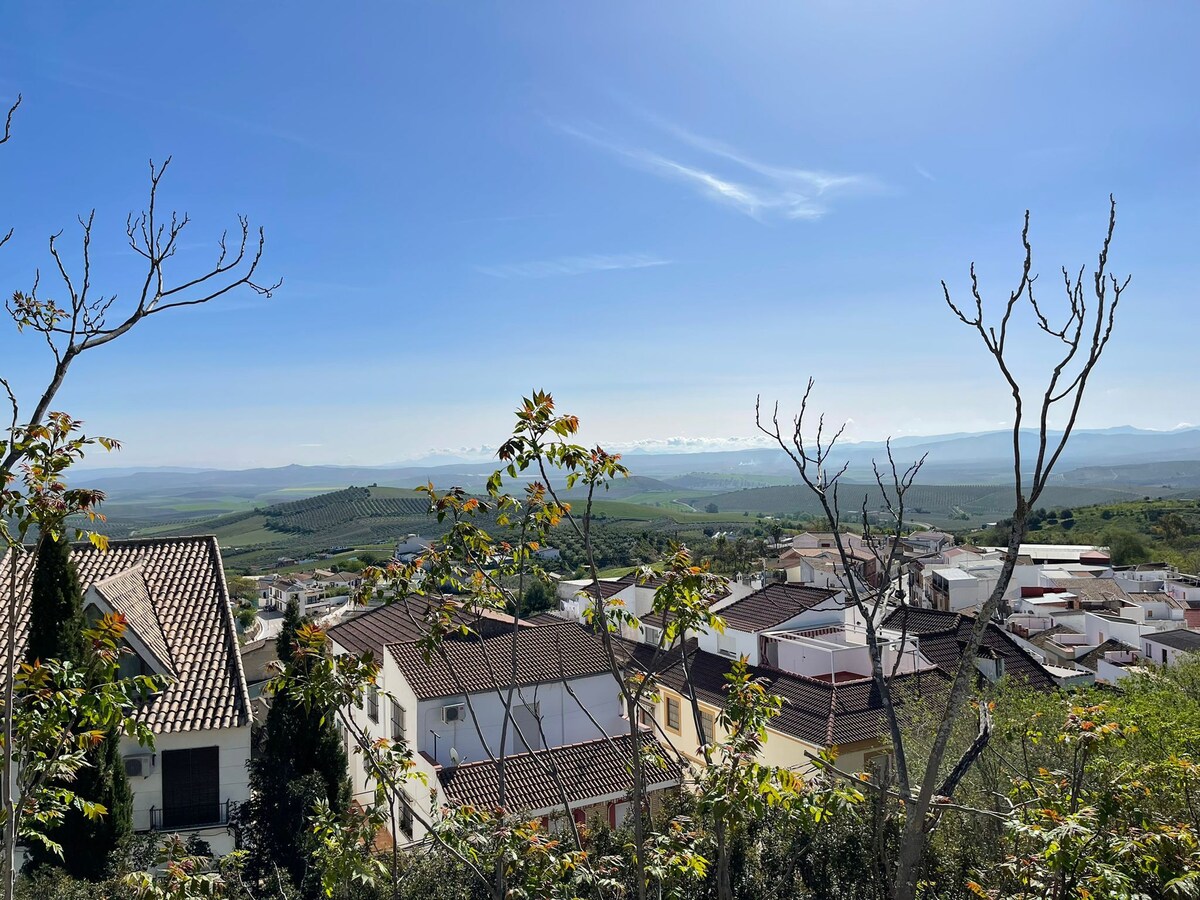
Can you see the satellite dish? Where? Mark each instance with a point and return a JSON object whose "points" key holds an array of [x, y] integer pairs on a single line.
{"points": [[454, 760]]}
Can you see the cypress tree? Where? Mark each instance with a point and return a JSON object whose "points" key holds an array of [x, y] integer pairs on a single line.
{"points": [[56, 620], [299, 758], [56, 626]]}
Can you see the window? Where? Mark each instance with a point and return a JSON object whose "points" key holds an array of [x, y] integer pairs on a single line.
{"points": [[651, 634], [727, 645], [706, 726], [131, 665], [191, 787], [673, 714], [373, 702], [406, 813], [1164, 654], [398, 729]]}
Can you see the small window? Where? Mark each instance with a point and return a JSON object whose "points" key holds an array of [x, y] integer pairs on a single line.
{"points": [[673, 714], [398, 724], [706, 726], [652, 635], [1164, 654], [727, 645], [373, 702], [406, 813]]}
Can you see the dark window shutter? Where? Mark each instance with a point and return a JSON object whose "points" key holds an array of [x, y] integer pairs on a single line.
{"points": [[191, 787]]}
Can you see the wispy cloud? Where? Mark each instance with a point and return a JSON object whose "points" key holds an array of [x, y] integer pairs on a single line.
{"points": [[760, 190], [924, 172], [573, 265]]}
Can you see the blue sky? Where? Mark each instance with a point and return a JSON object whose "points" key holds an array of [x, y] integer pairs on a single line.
{"points": [[656, 211]]}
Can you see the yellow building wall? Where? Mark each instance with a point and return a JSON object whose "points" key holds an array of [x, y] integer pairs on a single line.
{"points": [[780, 750]]}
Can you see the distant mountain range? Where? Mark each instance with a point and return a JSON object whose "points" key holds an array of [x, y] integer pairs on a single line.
{"points": [[1114, 457]]}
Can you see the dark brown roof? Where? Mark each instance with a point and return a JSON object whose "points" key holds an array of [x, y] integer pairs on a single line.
{"points": [[185, 582], [1178, 639], [1091, 659], [399, 622], [606, 589], [1042, 638], [478, 663], [589, 772], [941, 637], [815, 711], [772, 605]]}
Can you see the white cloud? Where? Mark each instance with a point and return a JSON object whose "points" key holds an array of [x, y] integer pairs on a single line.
{"points": [[690, 444], [573, 265], [923, 172], [760, 190]]}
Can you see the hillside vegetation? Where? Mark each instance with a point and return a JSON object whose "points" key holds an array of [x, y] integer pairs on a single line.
{"points": [[1166, 530], [946, 506]]}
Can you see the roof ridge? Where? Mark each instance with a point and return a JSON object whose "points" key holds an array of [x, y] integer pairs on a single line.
{"points": [[230, 628], [136, 567]]}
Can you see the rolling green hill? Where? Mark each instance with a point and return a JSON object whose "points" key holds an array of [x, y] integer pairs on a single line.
{"points": [[367, 517]]}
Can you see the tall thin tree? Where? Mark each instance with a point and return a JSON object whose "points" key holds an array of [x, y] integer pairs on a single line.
{"points": [[300, 760], [56, 626]]}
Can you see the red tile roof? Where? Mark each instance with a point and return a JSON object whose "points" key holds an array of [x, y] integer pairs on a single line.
{"points": [[185, 585], [482, 662], [589, 772]]}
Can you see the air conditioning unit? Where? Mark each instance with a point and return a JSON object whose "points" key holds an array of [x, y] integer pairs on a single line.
{"points": [[455, 712], [140, 766]]}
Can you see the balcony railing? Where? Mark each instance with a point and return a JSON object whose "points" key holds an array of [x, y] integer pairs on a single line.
{"points": [[199, 815]]}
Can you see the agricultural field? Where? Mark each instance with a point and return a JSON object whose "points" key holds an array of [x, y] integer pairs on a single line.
{"points": [[368, 518], [955, 507]]}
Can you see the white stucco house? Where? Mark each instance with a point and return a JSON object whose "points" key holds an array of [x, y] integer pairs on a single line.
{"points": [[1168, 647], [173, 596], [449, 706]]}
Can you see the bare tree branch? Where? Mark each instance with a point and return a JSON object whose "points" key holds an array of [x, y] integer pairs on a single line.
{"points": [[79, 324], [1084, 339], [8, 120]]}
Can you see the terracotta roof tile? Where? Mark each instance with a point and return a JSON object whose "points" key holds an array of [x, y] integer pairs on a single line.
{"points": [[185, 581], [772, 605], [480, 662], [589, 772], [127, 593], [941, 637]]}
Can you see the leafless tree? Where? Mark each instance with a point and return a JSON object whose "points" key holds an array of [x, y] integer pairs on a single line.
{"points": [[81, 321], [1088, 314]]}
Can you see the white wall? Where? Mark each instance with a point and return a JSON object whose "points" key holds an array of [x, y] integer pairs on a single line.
{"points": [[234, 752], [1099, 629], [1154, 652], [563, 721]]}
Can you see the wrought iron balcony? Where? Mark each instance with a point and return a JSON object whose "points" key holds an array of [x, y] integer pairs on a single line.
{"points": [[197, 815]]}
